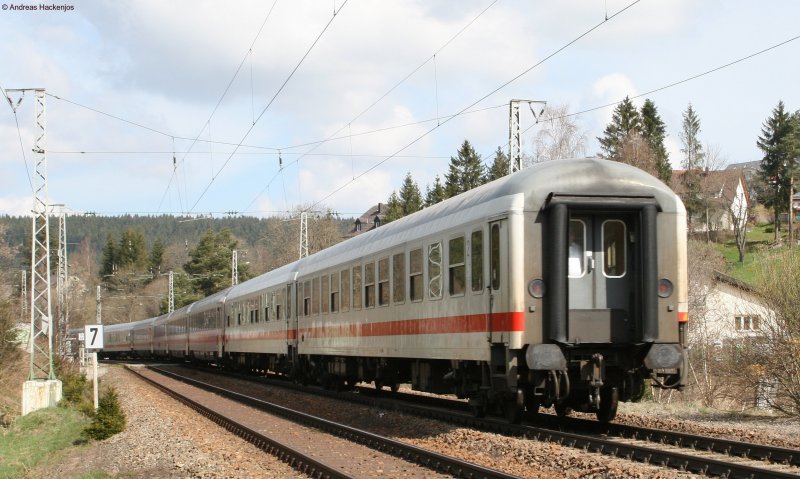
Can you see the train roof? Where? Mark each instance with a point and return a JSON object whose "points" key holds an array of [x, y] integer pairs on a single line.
{"points": [[525, 190]]}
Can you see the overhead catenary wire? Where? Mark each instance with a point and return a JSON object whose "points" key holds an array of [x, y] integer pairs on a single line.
{"points": [[224, 93], [515, 78], [348, 125], [277, 93], [675, 83]]}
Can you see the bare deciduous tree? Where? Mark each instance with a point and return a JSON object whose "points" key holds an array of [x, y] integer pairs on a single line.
{"points": [[559, 136]]}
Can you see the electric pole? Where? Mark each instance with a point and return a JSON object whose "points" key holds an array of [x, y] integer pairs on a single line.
{"points": [[303, 234], [171, 297], [514, 139], [234, 268], [62, 283], [99, 315], [42, 389]]}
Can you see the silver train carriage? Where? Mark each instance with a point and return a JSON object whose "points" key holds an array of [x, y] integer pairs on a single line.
{"points": [[561, 285]]}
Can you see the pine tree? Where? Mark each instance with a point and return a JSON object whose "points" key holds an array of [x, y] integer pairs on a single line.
{"points": [[692, 147], [624, 121], [654, 131], [156, 257], [394, 210], [211, 262], [410, 196], [131, 251], [692, 162], [779, 142], [436, 193], [465, 171], [109, 257], [499, 166]]}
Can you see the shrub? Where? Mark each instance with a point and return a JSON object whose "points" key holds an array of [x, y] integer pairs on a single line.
{"points": [[109, 419]]}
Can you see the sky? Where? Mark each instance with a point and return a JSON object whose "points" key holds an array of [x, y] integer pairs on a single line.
{"points": [[198, 107]]}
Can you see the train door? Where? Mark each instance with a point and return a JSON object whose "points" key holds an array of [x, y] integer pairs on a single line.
{"points": [[292, 311], [498, 277], [600, 272]]}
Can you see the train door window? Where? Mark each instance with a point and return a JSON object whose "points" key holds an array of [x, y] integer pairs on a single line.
{"points": [[307, 298], [326, 294], [399, 278], [495, 256], [383, 281], [435, 270], [239, 318], [415, 274], [476, 260], [229, 321], [335, 292], [614, 248], [577, 249], [345, 306], [369, 285], [315, 296], [357, 287], [457, 269]]}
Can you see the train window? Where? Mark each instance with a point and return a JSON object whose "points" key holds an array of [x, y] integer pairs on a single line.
{"points": [[229, 320], [239, 318], [577, 249], [614, 248], [307, 298], [495, 257], [476, 257], [334, 292], [399, 278], [256, 314], [383, 281], [415, 274], [266, 315], [357, 287], [369, 285], [326, 294], [457, 269], [435, 270], [345, 300], [315, 296]]}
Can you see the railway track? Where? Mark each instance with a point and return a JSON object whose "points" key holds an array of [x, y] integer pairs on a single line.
{"points": [[686, 452], [310, 463]]}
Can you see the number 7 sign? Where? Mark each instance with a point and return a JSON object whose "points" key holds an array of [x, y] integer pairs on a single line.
{"points": [[93, 336]]}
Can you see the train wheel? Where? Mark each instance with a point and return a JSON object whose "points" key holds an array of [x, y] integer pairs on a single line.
{"points": [[513, 411], [531, 406], [609, 399], [562, 410], [478, 410]]}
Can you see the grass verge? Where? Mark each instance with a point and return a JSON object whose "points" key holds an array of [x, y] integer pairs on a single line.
{"points": [[36, 437]]}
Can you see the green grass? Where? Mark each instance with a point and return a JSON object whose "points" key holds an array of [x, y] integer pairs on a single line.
{"points": [[35, 437], [758, 250]]}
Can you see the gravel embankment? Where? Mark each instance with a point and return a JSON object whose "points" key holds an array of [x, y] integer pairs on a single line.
{"points": [[166, 439]]}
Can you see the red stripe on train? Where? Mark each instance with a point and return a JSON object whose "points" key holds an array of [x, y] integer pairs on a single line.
{"points": [[478, 323]]}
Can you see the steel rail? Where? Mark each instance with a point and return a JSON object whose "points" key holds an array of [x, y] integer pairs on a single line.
{"points": [[291, 456], [423, 457]]}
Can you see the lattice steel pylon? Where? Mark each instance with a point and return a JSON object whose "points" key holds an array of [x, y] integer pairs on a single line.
{"points": [[514, 139], [41, 360], [171, 294], [62, 284], [303, 234]]}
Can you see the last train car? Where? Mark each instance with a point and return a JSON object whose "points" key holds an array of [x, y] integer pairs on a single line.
{"points": [[561, 285]]}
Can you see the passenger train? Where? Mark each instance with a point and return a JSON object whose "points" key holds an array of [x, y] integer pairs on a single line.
{"points": [[562, 285]]}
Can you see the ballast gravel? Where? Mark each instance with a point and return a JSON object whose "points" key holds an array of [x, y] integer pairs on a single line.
{"points": [[166, 439]]}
